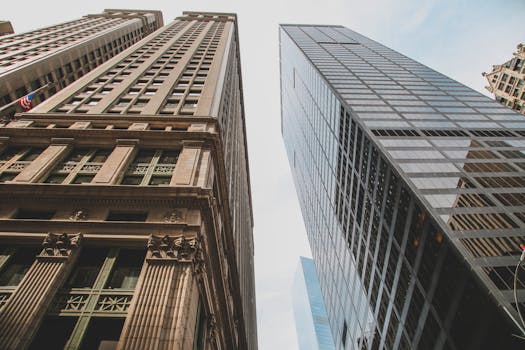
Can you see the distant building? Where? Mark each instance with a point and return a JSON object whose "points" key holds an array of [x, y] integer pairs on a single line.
{"points": [[311, 321], [6, 28], [64, 52], [507, 81]]}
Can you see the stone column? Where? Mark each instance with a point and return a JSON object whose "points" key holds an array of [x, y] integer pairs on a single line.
{"points": [[163, 312], [116, 163], [25, 309], [45, 161], [193, 166]]}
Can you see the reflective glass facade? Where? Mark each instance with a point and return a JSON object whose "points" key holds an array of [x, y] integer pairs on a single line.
{"points": [[412, 188], [311, 321]]}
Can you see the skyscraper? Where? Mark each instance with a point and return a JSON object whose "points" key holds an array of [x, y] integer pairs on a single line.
{"points": [[125, 217], [412, 189], [507, 81], [62, 53], [311, 321]]}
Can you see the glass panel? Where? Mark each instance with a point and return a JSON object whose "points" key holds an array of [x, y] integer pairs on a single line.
{"points": [[87, 268], [17, 266], [83, 179], [160, 180], [169, 157], [127, 269], [55, 179]]}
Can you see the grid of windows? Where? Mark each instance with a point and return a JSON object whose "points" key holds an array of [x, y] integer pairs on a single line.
{"points": [[50, 42], [366, 129], [167, 65]]}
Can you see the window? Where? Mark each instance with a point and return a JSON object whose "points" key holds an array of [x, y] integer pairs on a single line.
{"points": [[87, 268], [16, 267], [34, 214], [127, 216], [151, 167], [79, 167], [126, 271]]}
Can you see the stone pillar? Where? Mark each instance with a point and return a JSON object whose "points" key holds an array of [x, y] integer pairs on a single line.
{"points": [[25, 309], [163, 312], [193, 166], [45, 161], [116, 163], [3, 143]]}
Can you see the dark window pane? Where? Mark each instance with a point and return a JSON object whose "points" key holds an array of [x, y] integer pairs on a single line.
{"points": [[126, 216], [83, 179], [87, 268], [127, 269], [17, 266], [160, 180], [53, 333], [34, 214], [102, 333], [55, 179], [131, 180], [169, 157]]}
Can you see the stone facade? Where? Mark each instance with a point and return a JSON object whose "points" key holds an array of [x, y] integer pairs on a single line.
{"points": [[135, 181]]}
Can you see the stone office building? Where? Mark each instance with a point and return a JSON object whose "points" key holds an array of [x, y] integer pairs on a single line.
{"points": [[412, 187], [62, 53], [507, 81], [125, 205]]}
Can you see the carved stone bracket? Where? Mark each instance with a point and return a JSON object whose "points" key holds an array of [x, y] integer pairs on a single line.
{"points": [[60, 245], [174, 216], [172, 248], [78, 215]]}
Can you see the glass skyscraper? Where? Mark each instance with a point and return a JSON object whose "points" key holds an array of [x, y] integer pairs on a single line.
{"points": [[311, 321], [412, 188]]}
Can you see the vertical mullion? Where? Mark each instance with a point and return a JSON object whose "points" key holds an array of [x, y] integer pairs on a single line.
{"points": [[151, 168], [75, 340], [71, 176]]}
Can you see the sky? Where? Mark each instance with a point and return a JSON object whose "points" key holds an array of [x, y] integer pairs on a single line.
{"points": [[456, 37]]}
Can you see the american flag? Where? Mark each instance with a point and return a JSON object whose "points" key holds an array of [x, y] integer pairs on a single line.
{"points": [[25, 102]]}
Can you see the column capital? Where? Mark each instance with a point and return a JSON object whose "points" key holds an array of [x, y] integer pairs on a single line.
{"points": [[59, 245], [167, 247]]}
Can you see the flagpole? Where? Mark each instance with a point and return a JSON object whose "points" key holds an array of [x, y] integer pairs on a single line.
{"points": [[15, 102]]}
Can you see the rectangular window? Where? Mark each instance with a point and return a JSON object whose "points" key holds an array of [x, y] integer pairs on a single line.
{"points": [[127, 216], [34, 214]]}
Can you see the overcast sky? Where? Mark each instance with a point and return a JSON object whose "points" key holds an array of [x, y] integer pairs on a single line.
{"points": [[458, 38]]}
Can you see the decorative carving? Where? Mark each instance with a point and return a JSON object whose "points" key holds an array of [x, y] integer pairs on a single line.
{"points": [[175, 215], [117, 303], [19, 165], [212, 328], [60, 245], [91, 167], [69, 302], [169, 247], [3, 298], [78, 215], [164, 169]]}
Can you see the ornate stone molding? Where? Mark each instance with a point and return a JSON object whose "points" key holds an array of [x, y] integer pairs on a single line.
{"points": [[212, 328], [59, 245], [172, 248]]}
